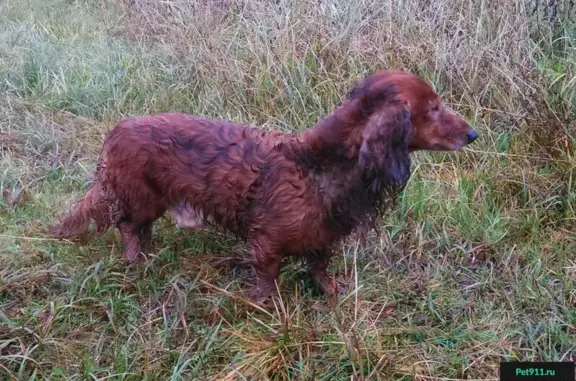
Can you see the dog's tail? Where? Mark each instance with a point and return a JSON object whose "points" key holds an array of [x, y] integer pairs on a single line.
{"points": [[91, 207]]}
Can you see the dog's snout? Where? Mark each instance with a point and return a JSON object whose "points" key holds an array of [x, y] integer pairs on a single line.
{"points": [[472, 135]]}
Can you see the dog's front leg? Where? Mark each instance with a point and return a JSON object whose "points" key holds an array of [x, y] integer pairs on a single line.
{"points": [[267, 266], [318, 270]]}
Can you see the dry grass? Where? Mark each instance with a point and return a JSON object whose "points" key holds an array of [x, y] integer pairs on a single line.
{"points": [[476, 266]]}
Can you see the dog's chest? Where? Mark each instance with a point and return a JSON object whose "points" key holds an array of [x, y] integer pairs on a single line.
{"points": [[331, 186], [307, 221]]}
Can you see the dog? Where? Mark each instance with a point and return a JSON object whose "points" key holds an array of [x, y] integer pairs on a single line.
{"points": [[285, 194]]}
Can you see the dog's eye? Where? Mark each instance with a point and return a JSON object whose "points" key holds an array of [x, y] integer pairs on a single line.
{"points": [[435, 108]]}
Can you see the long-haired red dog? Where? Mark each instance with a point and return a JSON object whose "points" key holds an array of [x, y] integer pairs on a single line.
{"points": [[285, 194]]}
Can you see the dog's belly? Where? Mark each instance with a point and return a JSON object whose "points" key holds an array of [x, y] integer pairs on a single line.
{"points": [[185, 217]]}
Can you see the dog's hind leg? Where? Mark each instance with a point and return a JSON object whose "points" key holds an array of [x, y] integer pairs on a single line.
{"points": [[133, 237]]}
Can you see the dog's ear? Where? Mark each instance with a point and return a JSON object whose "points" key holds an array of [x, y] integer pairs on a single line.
{"points": [[384, 148]]}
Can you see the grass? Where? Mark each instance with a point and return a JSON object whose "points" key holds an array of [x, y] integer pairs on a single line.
{"points": [[475, 266]]}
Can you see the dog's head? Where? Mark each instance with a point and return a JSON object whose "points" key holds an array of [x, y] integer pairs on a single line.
{"points": [[403, 114]]}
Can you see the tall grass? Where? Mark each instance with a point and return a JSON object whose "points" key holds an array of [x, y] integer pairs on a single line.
{"points": [[476, 265]]}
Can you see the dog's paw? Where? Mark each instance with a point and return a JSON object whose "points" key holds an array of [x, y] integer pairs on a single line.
{"points": [[332, 286], [265, 298], [134, 259]]}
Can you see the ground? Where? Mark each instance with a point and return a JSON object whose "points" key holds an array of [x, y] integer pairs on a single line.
{"points": [[476, 265]]}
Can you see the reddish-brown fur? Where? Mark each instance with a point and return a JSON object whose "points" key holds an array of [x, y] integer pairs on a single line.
{"points": [[285, 194]]}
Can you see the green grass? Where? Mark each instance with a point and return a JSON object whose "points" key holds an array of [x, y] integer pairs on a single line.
{"points": [[476, 265]]}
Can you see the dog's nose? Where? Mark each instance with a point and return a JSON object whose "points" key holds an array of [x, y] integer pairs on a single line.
{"points": [[472, 135]]}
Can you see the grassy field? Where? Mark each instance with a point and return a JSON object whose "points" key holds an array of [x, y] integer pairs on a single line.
{"points": [[476, 265]]}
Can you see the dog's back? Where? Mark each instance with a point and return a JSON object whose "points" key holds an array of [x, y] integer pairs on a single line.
{"points": [[157, 162], [174, 161]]}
